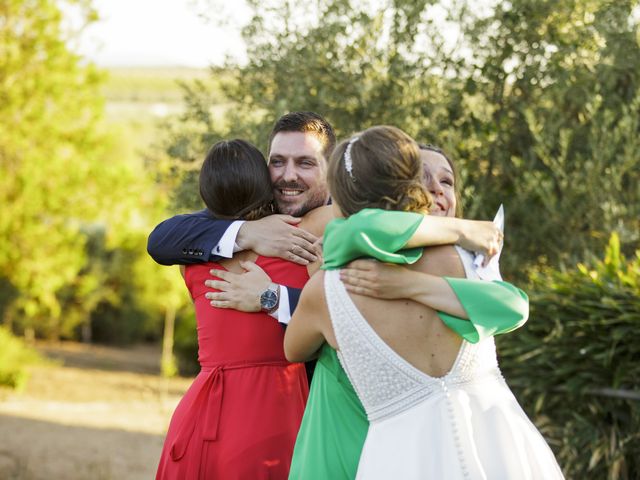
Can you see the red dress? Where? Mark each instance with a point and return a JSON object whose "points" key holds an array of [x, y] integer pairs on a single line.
{"points": [[240, 417]]}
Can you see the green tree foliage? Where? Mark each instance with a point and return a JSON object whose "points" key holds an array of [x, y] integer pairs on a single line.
{"points": [[548, 115], [186, 342], [77, 207], [15, 357], [47, 115], [537, 101], [574, 365]]}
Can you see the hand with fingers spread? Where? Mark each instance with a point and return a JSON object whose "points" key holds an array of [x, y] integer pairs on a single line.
{"points": [[239, 291], [277, 236], [482, 237]]}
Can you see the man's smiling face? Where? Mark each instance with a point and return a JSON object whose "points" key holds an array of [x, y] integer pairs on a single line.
{"points": [[298, 172]]}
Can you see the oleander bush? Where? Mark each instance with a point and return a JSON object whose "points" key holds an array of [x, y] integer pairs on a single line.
{"points": [[15, 356], [574, 366]]}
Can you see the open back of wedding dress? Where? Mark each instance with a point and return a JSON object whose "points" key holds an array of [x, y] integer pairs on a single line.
{"points": [[464, 425]]}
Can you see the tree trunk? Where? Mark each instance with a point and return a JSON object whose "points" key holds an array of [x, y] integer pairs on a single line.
{"points": [[86, 331], [167, 363]]}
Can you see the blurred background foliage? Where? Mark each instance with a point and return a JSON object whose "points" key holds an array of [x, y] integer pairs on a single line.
{"points": [[78, 199], [537, 102], [574, 366]]}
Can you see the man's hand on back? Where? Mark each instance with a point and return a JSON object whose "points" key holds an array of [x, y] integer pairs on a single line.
{"points": [[277, 236], [239, 291]]}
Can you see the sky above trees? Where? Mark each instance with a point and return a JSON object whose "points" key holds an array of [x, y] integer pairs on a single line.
{"points": [[159, 33]]}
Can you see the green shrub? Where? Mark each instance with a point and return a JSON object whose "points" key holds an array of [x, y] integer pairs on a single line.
{"points": [[14, 358], [574, 367], [186, 342]]}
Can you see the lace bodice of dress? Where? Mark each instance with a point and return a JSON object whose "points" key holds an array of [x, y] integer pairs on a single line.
{"points": [[385, 382]]}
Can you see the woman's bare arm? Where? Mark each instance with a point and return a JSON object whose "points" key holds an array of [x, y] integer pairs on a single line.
{"points": [[473, 235], [389, 282], [306, 331], [315, 222]]}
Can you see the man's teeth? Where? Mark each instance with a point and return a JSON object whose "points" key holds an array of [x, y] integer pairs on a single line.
{"points": [[290, 193]]}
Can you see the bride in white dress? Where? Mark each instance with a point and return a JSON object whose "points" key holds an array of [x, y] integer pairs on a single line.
{"points": [[438, 406]]}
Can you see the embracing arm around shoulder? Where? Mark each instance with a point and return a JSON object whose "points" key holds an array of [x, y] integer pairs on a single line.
{"points": [[313, 222], [477, 308], [382, 234], [389, 282], [186, 239], [197, 238], [308, 327], [474, 235], [241, 291], [278, 236]]}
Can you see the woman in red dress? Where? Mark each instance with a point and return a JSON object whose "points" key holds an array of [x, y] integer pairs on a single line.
{"points": [[240, 417]]}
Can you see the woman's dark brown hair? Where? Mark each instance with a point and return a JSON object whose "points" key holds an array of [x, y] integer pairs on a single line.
{"points": [[378, 168], [235, 181]]}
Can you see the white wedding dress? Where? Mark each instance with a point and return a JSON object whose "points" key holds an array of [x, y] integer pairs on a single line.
{"points": [[465, 425]]}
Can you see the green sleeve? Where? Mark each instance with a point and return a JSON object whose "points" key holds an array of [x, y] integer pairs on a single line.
{"points": [[493, 308], [375, 233]]}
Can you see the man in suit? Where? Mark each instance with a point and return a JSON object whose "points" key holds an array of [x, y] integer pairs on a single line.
{"points": [[299, 147]]}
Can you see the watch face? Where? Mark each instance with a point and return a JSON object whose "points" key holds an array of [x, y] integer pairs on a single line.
{"points": [[268, 300]]}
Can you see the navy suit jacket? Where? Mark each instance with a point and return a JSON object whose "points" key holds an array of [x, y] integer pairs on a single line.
{"points": [[190, 238]]}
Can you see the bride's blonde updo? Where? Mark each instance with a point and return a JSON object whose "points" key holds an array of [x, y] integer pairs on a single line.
{"points": [[378, 168]]}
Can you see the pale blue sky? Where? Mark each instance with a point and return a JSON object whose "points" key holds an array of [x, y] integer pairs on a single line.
{"points": [[157, 33]]}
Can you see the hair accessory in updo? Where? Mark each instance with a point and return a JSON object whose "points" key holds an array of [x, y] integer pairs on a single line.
{"points": [[348, 161]]}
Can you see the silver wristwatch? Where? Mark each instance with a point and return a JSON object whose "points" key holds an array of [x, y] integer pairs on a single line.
{"points": [[269, 298]]}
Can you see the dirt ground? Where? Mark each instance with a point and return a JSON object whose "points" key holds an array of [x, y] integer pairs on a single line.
{"points": [[97, 413]]}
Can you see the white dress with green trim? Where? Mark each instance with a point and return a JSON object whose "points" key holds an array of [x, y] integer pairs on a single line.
{"points": [[464, 425]]}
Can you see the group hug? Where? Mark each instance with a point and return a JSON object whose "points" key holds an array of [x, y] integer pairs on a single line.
{"points": [[345, 317]]}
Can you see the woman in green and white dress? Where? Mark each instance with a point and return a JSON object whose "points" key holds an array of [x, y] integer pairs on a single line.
{"points": [[400, 355]]}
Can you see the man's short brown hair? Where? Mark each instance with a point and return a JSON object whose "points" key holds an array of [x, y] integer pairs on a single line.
{"points": [[307, 122]]}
